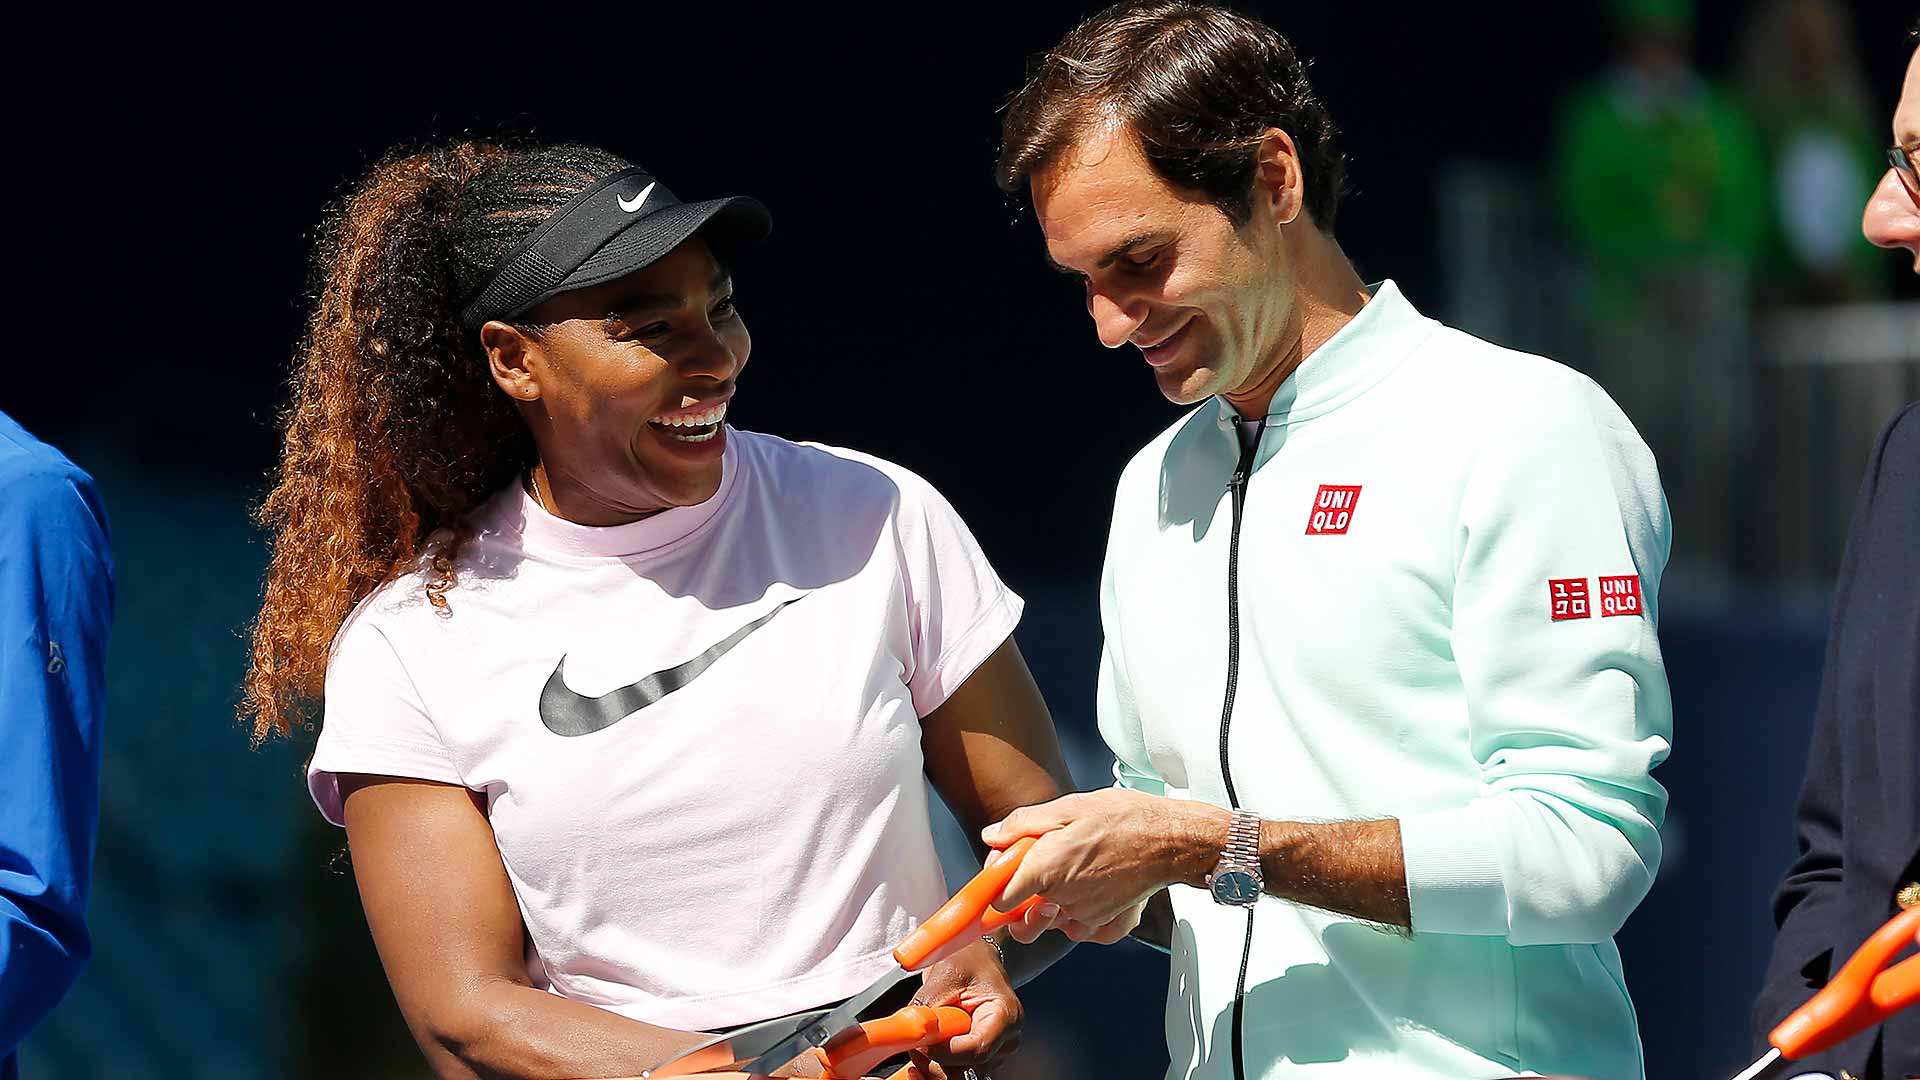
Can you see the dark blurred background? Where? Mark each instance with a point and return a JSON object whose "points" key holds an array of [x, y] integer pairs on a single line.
{"points": [[1664, 194]]}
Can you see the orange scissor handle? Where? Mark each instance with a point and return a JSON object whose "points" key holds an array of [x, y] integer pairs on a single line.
{"points": [[859, 1048], [1864, 992], [1897, 987], [968, 915]]}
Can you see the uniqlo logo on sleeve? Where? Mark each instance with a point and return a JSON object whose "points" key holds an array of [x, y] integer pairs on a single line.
{"points": [[1620, 595], [1569, 599], [1332, 509]]}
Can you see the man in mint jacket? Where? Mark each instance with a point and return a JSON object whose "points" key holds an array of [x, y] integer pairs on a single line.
{"points": [[1381, 672]]}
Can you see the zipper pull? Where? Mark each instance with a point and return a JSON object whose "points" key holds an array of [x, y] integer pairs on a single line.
{"points": [[1248, 451]]}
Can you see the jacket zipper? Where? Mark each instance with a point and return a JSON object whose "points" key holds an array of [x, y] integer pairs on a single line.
{"points": [[1237, 487]]}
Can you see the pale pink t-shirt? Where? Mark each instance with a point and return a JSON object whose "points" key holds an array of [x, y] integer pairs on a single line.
{"points": [[754, 841]]}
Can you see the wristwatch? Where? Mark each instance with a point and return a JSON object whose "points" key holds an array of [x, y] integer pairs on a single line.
{"points": [[1236, 880]]}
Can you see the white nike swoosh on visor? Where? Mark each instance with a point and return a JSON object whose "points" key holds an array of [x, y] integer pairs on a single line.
{"points": [[638, 200]]}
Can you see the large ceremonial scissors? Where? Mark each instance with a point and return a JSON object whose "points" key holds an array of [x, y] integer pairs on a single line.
{"points": [[1869, 988], [766, 1046]]}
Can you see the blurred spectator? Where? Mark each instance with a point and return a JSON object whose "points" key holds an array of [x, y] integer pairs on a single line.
{"points": [[1657, 167], [1802, 83], [56, 602], [1661, 183]]}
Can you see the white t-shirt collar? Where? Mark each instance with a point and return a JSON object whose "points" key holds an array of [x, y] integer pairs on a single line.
{"points": [[544, 533]]}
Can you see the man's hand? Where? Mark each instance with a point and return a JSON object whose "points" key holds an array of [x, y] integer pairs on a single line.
{"points": [[1047, 917], [972, 980], [1100, 855]]}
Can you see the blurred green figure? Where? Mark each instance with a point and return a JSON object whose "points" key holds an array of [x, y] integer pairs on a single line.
{"points": [[1661, 183], [1801, 80], [1657, 168]]}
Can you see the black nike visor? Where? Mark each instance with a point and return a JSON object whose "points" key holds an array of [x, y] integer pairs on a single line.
{"points": [[621, 224]]}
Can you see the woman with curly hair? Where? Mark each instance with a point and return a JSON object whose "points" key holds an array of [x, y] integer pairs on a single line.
{"points": [[626, 712]]}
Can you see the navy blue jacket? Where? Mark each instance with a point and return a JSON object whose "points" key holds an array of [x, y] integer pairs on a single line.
{"points": [[56, 603], [1859, 814]]}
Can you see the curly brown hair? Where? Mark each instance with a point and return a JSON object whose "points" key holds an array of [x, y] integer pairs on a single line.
{"points": [[395, 429]]}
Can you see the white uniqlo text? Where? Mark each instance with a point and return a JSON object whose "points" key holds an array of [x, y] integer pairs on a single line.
{"points": [[1620, 595], [1332, 509]]}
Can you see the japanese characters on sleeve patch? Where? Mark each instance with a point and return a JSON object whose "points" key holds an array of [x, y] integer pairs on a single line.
{"points": [[1568, 599], [1332, 509], [1621, 595]]}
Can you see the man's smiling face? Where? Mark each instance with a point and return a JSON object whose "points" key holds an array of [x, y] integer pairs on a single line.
{"points": [[1207, 303]]}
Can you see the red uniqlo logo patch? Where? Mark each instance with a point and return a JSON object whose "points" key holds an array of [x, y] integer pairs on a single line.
{"points": [[1332, 509], [1620, 595], [1569, 598]]}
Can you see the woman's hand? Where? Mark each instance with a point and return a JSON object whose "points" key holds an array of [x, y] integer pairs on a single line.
{"points": [[972, 979]]}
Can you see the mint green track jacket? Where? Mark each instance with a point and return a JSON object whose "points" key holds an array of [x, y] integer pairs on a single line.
{"points": [[1447, 574]]}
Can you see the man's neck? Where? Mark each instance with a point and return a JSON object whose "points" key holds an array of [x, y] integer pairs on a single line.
{"points": [[1327, 294]]}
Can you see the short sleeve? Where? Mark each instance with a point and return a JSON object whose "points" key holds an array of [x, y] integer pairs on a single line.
{"points": [[958, 610], [374, 722]]}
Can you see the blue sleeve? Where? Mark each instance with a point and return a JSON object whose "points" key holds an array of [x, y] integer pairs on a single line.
{"points": [[56, 604]]}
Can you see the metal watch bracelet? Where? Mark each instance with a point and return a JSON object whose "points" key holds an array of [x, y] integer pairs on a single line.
{"points": [[1243, 838]]}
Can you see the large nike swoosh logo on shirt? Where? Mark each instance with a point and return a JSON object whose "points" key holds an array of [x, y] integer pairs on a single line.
{"points": [[567, 713]]}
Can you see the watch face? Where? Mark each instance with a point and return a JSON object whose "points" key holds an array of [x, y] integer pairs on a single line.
{"points": [[1235, 887]]}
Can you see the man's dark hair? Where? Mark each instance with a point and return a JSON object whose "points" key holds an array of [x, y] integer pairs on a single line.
{"points": [[1197, 85]]}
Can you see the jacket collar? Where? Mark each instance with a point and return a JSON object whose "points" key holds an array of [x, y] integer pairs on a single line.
{"points": [[1348, 364]]}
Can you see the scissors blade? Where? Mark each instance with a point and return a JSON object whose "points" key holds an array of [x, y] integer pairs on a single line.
{"points": [[817, 1032], [766, 1046], [728, 1050], [1760, 1066]]}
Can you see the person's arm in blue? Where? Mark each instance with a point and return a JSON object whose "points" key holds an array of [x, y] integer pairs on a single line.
{"points": [[56, 604]]}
